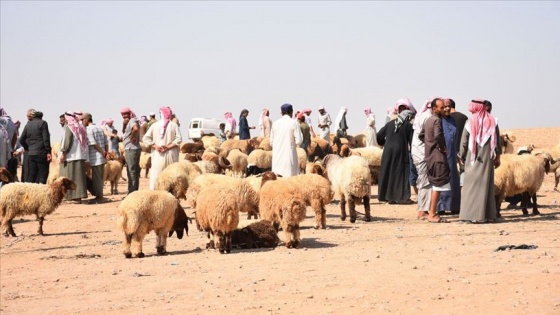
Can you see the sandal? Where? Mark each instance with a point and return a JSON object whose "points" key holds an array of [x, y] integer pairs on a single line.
{"points": [[437, 219]]}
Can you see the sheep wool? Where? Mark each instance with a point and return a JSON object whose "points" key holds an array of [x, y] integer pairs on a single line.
{"points": [[19, 199], [177, 177]]}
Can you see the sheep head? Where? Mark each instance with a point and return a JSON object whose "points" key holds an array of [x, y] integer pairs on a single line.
{"points": [[344, 150], [5, 176], [547, 160], [180, 222], [268, 175], [224, 163], [61, 185]]}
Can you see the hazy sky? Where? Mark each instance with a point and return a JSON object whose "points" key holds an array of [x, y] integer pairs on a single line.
{"points": [[205, 58]]}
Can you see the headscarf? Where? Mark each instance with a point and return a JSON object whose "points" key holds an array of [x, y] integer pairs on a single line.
{"points": [[306, 111], [264, 113], [367, 111], [78, 130], [301, 116], [402, 117], [165, 116], [78, 115], [230, 120], [483, 127], [338, 119], [128, 110], [406, 102], [105, 122]]}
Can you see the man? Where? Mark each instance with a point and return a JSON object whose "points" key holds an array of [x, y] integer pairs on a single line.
{"points": [[450, 200], [307, 112], [36, 140], [164, 138], [244, 128], [324, 123], [436, 157], [341, 126], [305, 131], [460, 120], [152, 119], [97, 147], [285, 137], [62, 120], [8, 141], [73, 156], [131, 145], [418, 154]]}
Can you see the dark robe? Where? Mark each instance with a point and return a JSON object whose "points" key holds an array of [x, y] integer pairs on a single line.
{"points": [[460, 120], [244, 133], [451, 200], [434, 145], [395, 163]]}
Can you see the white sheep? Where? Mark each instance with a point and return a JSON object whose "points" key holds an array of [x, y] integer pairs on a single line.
{"points": [[19, 199], [143, 211], [520, 174], [302, 159], [145, 162], [554, 163], [177, 177], [217, 212], [373, 157], [351, 180], [258, 161], [213, 165], [210, 141], [245, 146], [112, 173], [238, 162]]}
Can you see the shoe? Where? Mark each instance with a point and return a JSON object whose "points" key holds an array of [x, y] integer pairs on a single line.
{"points": [[437, 220]]}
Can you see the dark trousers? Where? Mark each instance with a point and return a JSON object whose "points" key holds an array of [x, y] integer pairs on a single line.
{"points": [[38, 169], [132, 158], [12, 167], [97, 179]]}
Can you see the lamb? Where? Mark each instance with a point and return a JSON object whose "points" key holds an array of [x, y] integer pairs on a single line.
{"points": [[520, 174], [214, 164], [145, 162], [177, 177], [239, 162], [246, 146], [18, 199], [314, 168], [240, 186], [217, 212], [373, 157], [113, 172], [507, 139], [255, 235], [351, 179], [264, 144], [210, 141], [358, 141], [143, 211], [258, 162], [317, 149]]}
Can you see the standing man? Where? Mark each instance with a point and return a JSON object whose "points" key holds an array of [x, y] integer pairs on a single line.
{"points": [[152, 119], [324, 123], [97, 147], [305, 131], [436, 157], [73, 155], [460, 120], [307, 112], [131, 144], [418, 153], [164, 138], [285, 137], [341, 126], [450, 200], [231, 125], [36, 140]]}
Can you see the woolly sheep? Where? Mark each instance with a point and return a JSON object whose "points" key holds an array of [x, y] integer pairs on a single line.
{"points": [[217, 212], [351, 180], [302, 159], [177, 177], [255, 235], [239, 162], [265, 144], [258, 162], [507, 138], [555, 162], [520, 174], [143, 211], [246, 146], [113, 172], [317, 149], [145, 162], [19, 199], [192, 147], [373, 157], [214, 165], [239, 185], [210, 141]]}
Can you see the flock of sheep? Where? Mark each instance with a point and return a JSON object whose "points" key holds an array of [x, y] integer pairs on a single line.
{"points": [[221, 180]]}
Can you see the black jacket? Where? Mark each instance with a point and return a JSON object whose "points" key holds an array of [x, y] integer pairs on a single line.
{"points": [[36, 138]]}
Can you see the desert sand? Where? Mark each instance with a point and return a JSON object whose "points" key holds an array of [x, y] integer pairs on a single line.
{"points": [[395, 264]]}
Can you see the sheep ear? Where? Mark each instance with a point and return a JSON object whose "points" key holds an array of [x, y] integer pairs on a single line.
{"points": [[170, 233]]}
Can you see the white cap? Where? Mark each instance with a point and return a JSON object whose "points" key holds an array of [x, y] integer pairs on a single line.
{"points": [[152, 114]]}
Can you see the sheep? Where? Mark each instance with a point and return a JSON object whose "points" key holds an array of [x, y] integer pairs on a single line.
{"points": [[18, 199], [258, 162], [238, 162], [191, 157], [177, 177], [210, 141], [215, 165], [143, 211], [246, 146], [213, 151], [520, 174], [555, 162], [255, 235], [5, 176], [314, 168], [358, 141], [302, 159], [145, 162], [217, 212], [241, 186], [525, 149], [55, 147], [507, 139], [192, 147], [351, 179], [317, 149], [113, 173], [373, 157], [264, 144]]}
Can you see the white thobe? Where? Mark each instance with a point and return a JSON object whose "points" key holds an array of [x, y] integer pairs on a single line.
{"points": [[325, 132], [285, 137], [371, 133], [161, 160]]}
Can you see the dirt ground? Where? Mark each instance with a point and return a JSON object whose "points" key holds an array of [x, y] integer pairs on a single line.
{"points": [[395, 264]]}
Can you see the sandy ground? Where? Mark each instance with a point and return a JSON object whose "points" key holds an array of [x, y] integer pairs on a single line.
{"points": [[395, 264]]}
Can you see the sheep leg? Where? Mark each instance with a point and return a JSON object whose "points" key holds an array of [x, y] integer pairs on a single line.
{"points": [[40, 230], [126, 245], [137, 245], [367, 208], [524, 201], [296, 237], [7, 226], [228, 242], [323, 217], [535, 210], [498, 204], [352, 209], [342, 208], [161, 242], [222, 242]]}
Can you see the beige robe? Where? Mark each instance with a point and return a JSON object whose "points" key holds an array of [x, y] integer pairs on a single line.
{"points": [[161, 160]]}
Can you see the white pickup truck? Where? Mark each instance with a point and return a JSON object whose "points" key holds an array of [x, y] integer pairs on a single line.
{"points": [[199, 127]]}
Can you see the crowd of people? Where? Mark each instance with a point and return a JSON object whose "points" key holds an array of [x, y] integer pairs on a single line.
{"points": [[441, 154]]}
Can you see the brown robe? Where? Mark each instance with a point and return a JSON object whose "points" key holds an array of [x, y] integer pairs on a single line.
{"points": [[434, 145]]}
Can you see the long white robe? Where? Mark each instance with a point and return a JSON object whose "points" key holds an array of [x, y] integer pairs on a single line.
{"points": [[325, 131], [371, 132], [285, 137], [161, 160]]}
